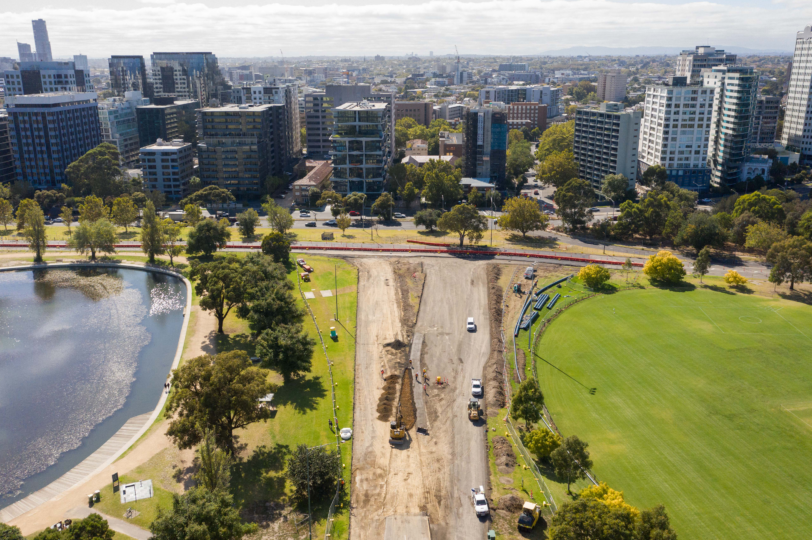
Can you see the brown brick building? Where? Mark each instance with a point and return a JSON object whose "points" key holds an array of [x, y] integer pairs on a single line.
{"points": [[527, 114], [421, 111]]}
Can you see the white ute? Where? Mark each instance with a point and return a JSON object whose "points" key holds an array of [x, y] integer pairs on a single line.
{"points": [[476, 387], [469, 325], [480, 503]]}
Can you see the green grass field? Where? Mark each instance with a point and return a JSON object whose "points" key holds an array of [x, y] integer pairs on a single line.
{"points": [[703, 404]]}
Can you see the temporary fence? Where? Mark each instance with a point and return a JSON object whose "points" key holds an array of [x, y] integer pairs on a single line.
{"points": [[531, 464]]}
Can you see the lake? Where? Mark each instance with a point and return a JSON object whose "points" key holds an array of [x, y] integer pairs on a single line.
{"points": [[81, 352]]}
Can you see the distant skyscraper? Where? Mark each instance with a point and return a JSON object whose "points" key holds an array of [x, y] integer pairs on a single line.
{"points": [[798, 118], [80, 61], [486, 137], [611, 86], [41, 41], [129, 73], [691, 63], [24, 51]]}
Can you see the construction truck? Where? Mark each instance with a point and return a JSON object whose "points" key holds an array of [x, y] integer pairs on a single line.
{"points": [[531, 512], [474, 412], [397, 433]]}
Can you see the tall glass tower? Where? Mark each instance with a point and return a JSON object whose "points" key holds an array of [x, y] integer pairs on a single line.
{"points": [[41, 41]]}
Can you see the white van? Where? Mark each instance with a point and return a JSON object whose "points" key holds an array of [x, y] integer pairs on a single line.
{"points": [[528, 273]]}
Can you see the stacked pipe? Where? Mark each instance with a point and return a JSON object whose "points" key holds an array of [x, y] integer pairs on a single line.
{"points": [[541, 301], [553, 301]]}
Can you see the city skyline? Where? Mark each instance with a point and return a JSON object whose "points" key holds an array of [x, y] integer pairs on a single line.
{"points": [[389, 29]]}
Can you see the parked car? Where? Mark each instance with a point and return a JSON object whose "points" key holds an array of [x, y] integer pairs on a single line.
{"points": [[529, 272], [307, 268], [470, 325], [355, 213], [59, 220], [304, 213], [310, 224], [480, 502], [398, 215], [535, 192], [300, 262], [331, 223]]}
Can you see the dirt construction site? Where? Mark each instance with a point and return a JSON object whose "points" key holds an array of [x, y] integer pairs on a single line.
{"points": [[412, 316]]}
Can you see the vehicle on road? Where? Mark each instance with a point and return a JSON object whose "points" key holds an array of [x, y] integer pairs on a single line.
{"points": [[535, 192], [304, 213], [530, 516], [59, 220], [310, 224], [474, 412], [593, 210], [705, 201], [398, 215], [481, 502], [331, 223], [355, 213], [470, 325], [476, 387]]}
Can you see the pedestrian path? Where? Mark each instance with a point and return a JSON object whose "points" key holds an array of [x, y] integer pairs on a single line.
{"points": [[118, 525]]}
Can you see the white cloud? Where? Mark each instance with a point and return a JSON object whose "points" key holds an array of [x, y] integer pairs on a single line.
{"points": [[490, 26]]}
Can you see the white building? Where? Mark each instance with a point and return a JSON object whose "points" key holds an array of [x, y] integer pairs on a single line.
{"points": [[691, 63], [119, 125], [611, 86], [675, 132], [167, 167], [797, 133]]}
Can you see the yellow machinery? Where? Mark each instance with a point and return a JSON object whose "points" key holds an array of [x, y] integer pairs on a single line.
{"points": [[397, 433], [530, 516], [474, 412]]}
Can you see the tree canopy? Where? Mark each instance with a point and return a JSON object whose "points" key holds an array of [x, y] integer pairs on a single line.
{"points": [[574, 199], [522, 215], [528, 402], [463, 220], [209, 195], [200, 514], [764, 207], [556, 138], [207, 237], [557, 169], [664, 267], [442, 184], [99, 235], [318, 465], [97, 173]]}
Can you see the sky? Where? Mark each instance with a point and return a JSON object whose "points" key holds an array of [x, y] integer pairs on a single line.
{"points": [[250, 28]]}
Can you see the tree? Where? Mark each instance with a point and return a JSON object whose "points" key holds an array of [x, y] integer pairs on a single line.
{"points": [[442, 185], [124, 212], [6, 213], [464, 220], [762, 206], [654, 176], [248, 221], [408, 193], [67, 217], [93, 527], [222, 285], [10, 532], [522, 215], [571, 460], [475, 197], [214, 471], [588, 518], [286, 349], [528, 402], [627, 267], [200, 514], [791, 260], [99, 235], [734, 279], [152, 233], [25, 206], [804, 225], [278, 217], [556, 138], [47, 199], [277, 246], [519, 159], [157, 197], [317, 467], [542, 442], [702, 263], [514, 136], [557, 169], [195, 184], [355, 201], [217, 393], [614, 187], [97, 172], [700, 230], [648, 217], [172, 235], [313, 196], [674, 224], [207, 237], [738, 233], [763, 235], [35, 232], [573, 200], [209, 195], [343, 222], [332, 199], [654, 525], [594, 276], [427, 218], [92, 209], [664, 267], [384, 206], [192, 214], [608, 496]]}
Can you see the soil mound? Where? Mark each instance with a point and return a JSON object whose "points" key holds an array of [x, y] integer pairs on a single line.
{"points": [[494, 368], [397, 345], [505, 457], [389, 398], [407, 407], [511, 503]]}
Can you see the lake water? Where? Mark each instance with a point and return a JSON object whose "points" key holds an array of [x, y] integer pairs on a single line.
{"points": [[81, 352]]}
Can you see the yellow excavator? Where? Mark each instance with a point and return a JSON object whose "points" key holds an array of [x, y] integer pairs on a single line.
{"points": [[474, 412], [397, 433]]}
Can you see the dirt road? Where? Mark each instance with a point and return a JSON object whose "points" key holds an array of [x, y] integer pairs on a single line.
{"points": [[432, 475]]}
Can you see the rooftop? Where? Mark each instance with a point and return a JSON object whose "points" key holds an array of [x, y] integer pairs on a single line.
{"points": [[362, 106], [239, 108], [319, 174], [50, 98], [177, 103], [167, 145]]}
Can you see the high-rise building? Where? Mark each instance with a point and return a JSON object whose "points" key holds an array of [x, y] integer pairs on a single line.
{"points": [[282, 94], [421, 112], [485, 132], [7, 171], [166, 122], [80, 61], [186, 76], [611, 86], [514, 67], [46, 77], [129, 73], [119, 125], [765, 121], [362, 143], [41, 41], [528, 114], [241, 146], [733, 106], [797, 132], [49, 132], [167, 167], [24, 51], [606, 141], [675, 132], [691, 63]]}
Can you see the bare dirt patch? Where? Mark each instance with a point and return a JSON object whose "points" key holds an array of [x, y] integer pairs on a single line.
{"points": [[388, 400], [407, 407], [511, 503], [409, 278], [505, 457], [522, 360], [494, 368]]}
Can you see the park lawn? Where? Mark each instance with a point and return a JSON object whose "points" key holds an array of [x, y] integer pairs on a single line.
{"points": [[702, 404], [148, 508]]}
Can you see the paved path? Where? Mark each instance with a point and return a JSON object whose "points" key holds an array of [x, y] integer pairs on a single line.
{"points": [[118, 525]]}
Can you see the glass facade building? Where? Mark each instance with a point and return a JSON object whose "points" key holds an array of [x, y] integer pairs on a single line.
{"points": [[129, 73], [361, 147]]}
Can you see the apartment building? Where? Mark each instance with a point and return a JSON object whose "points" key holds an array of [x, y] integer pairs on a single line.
{"points": [[164, 121], [119, 125], [241, 145], [49, 132], [675, 132], [167, 166], [546, 95], [25, 53], [421, 112], [514, 67], [451, 144], [452, 113], [127, 74], [611, 86], [362, 146], [691, 63], [529, 114], [7, 171], [485, 145], [282, 94], [186, 76], [734, 104], [797, 132], [46, 77], [765, 121], [606, 141]]}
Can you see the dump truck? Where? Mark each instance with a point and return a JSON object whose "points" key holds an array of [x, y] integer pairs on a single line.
{"points": [[474, 412], [397, 433], [530, 516]]}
